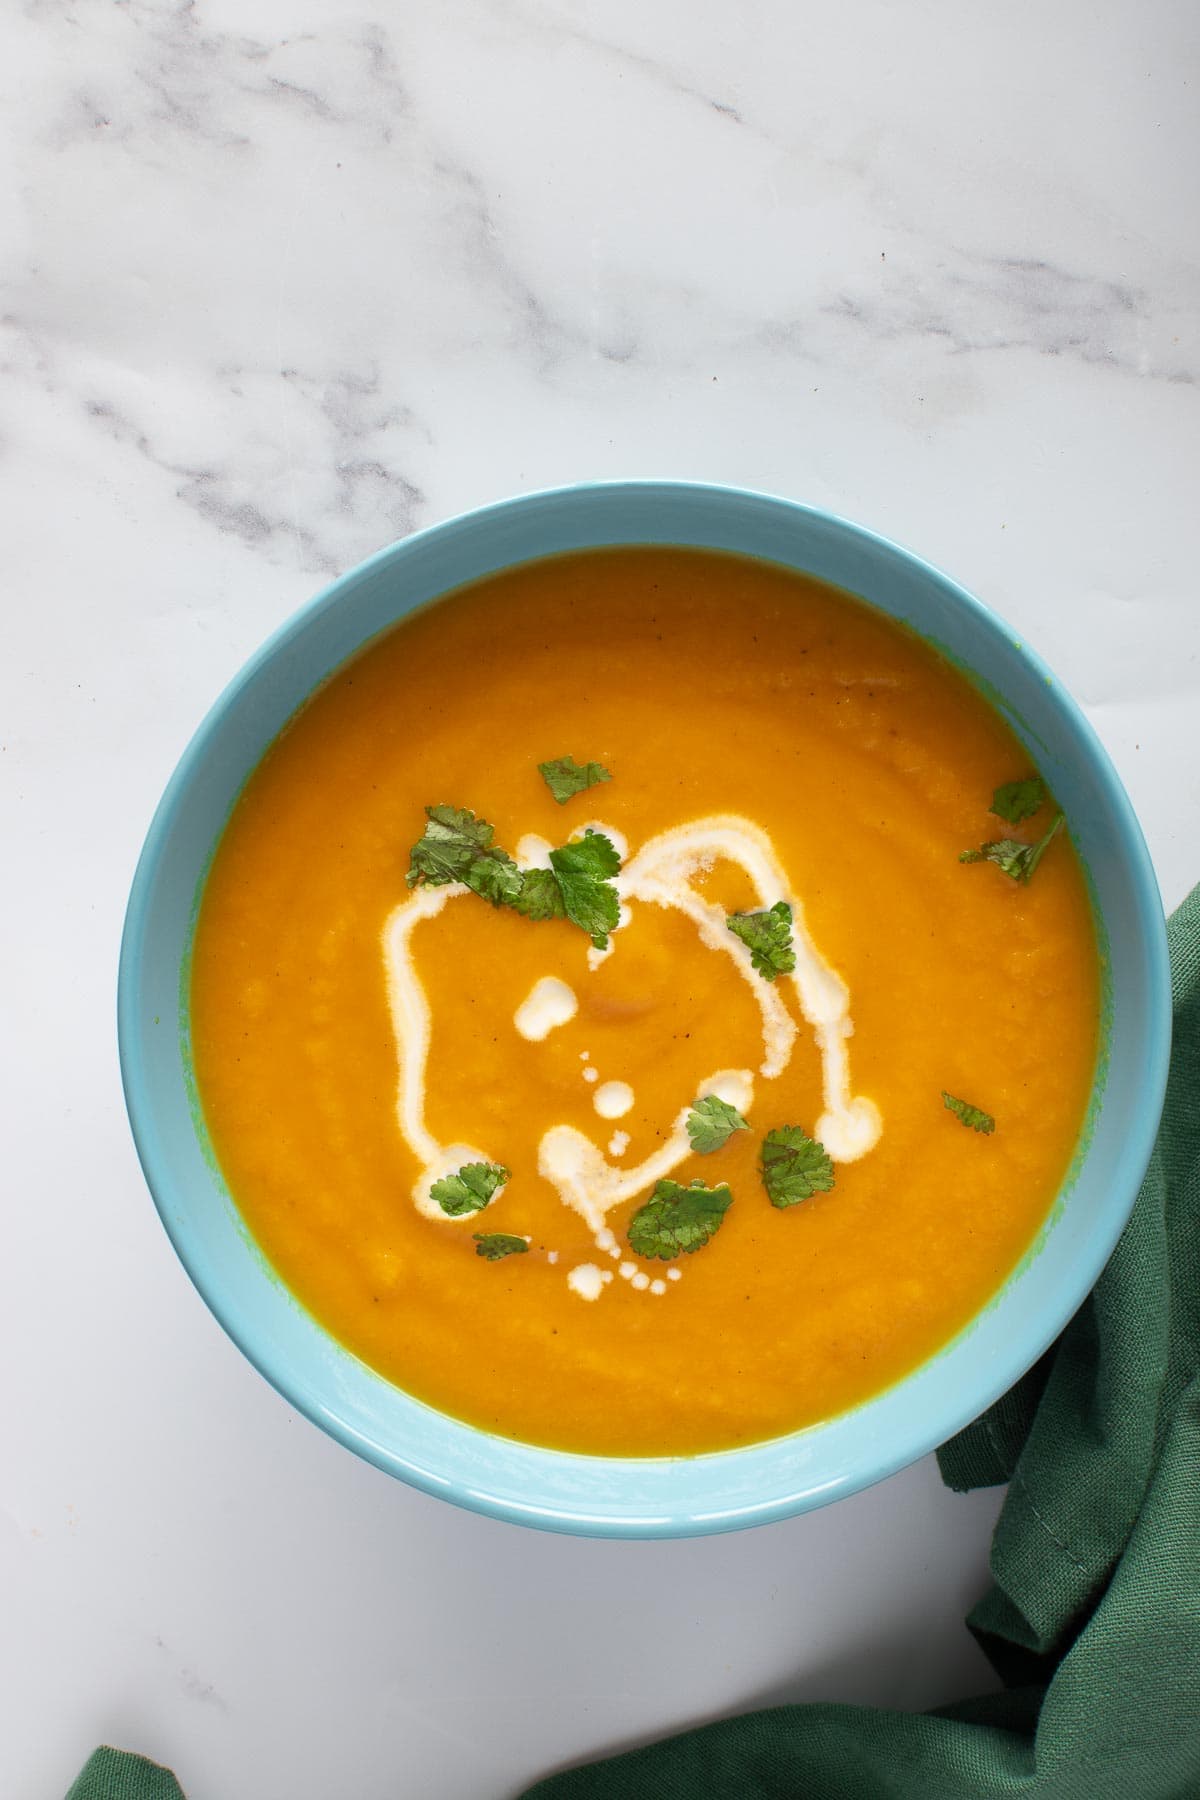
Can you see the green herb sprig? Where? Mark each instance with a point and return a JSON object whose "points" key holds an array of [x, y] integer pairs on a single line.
{"points": [[1019, 800], [566, 778], [711, 1123], [584, 871], [973, 1117], [768, 937], [794, 1166], [458, 846], [470, 1189], [1013, 858], [678, 1220], [496, 1245]]}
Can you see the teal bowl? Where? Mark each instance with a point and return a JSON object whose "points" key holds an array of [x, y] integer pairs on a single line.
{"points": [[638, 1497]]}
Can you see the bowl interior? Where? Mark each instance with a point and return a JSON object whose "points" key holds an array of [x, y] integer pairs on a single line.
{"points": [[637, 1497]]}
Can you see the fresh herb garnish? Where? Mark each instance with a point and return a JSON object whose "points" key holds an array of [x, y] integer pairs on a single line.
{"points": [[678, 1219], [1018, 800], [565, 777], [495, 878], [972, 1116], [1011, 856], [585, 870], [470, 1189], [495, 1245], [540, 896], [712, 1122], [794, 1166], [577, 887], [768, 937], [456, 846]]}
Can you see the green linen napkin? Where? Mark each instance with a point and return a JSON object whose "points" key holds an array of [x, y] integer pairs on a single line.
{"points": [[1093, 1621], [116, 1775]]}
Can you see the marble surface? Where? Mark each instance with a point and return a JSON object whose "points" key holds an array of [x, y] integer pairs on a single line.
{"points": [[281, 283]]}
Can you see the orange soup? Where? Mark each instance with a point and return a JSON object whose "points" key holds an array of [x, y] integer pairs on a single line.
{"points": [[680, 1093]]}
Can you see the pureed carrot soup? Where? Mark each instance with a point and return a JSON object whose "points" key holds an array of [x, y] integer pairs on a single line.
{"points": [[645, 1003]]}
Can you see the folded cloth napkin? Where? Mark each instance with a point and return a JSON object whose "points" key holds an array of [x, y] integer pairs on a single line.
{"points": [[1093, 1621], [119, 1775]]}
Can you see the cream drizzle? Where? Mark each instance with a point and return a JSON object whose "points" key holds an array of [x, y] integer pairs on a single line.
{"points": [[410, 1026], [660, 874], [590, 1184]]}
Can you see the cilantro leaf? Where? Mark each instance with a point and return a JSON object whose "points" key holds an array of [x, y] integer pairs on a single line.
{"points": [[1004, 852], [453, 838], [565, 777], [470, 1189], [540, 896], [456, 846], [678, 1219], [794, 1166], [768, 937], [593, 855], [1015, 859], [972, 1116], [592, 905], [1018, 800], [584, 870], [712, 1122], [495, 1245], [495, 877]]}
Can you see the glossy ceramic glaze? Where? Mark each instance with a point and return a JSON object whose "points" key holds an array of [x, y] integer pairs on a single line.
{"points": [[637, 1497]]}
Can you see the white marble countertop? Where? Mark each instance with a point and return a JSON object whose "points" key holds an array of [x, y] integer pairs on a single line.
{"points": [[282, 283]]}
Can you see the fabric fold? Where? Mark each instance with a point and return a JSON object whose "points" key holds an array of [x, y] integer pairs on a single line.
{"points": [[1093, 1618]]}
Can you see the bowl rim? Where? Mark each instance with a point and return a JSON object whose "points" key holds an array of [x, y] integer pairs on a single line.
{"points": [[1003, 1371]]}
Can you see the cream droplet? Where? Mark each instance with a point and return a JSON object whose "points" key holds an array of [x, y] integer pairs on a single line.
{"points": [[618, 1143], [613, 1099], [588, 1281], [549, 1003]]}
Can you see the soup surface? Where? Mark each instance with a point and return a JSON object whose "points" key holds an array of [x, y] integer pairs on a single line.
{"points": [[357, 1041]]}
